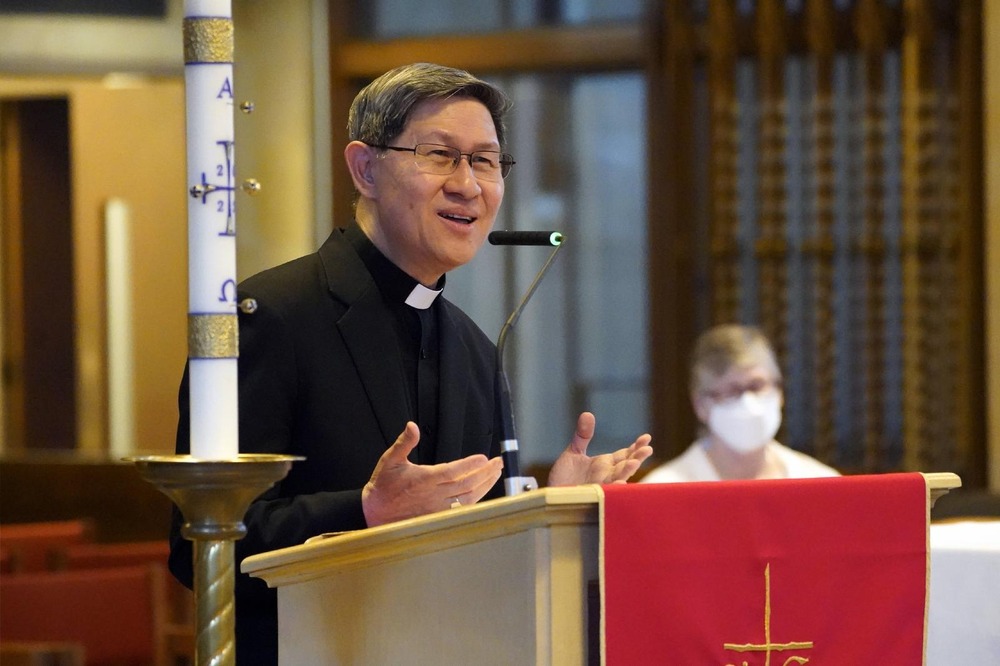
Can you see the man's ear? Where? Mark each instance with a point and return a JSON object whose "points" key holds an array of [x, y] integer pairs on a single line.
{"points": [[360, 159]]}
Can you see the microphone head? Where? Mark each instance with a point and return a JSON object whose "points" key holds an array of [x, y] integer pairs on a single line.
{"points": [[550, 238]]}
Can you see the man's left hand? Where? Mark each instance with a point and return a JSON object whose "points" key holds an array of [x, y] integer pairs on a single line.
{"points": [[575, 467]]}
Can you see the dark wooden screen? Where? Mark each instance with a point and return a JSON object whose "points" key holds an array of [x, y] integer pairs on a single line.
{"points": [[838, 143]]}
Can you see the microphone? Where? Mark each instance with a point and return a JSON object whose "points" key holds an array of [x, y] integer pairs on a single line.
{"points": [[525, 238], [513, 482]]}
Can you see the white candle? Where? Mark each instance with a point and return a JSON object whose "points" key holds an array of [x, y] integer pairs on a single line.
{"points": [[212, 327], [121, 362]]}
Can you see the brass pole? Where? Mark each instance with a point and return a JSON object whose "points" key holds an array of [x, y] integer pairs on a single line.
{"points": [[213, 496]]}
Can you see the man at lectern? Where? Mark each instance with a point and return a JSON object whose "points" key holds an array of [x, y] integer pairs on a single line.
{"points": [[354, 360], [736, 394]]}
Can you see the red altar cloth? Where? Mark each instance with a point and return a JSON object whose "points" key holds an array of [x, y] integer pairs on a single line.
{"points": [[792, 571]]}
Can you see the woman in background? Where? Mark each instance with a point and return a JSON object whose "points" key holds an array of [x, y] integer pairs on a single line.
{"points": [[736, 394]]}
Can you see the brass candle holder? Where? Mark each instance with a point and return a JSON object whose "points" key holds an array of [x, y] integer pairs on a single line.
{"points": [[213, 496]]}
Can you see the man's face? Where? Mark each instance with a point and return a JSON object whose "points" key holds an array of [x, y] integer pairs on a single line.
{"points": [[429, 224]]}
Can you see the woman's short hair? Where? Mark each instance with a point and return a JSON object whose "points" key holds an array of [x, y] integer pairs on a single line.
{"points": [[379, 113], [721, 348]]}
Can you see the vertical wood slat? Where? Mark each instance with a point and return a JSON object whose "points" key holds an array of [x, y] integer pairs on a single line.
{"points": [[871, 27], [918, 93], [48, 339], [772, 44], [820, 18], [970, 404], [672, 271], [724, 151], [943, 251], [342, 92], [12, 429]]}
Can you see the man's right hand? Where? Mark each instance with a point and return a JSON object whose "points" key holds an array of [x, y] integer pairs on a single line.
{"points": [[400, 489]]}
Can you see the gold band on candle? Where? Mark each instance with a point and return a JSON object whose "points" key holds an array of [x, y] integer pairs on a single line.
{"points": [[213, 336], [208, 40]]}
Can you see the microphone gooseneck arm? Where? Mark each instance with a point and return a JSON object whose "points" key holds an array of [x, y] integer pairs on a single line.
{"points": [[514, 483], [516, 314]]}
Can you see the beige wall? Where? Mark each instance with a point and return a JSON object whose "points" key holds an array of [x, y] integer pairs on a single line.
{"points": [[283, 144], [64, 44], [128, 143], [275, 143]]}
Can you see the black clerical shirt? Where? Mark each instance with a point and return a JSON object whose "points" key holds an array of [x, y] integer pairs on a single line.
{"points": [[416, 331]]}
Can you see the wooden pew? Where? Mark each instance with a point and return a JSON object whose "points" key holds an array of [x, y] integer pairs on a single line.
{"points": [[39, 653], [101, 555], [37, 546], [115, 613], [178, 631]]}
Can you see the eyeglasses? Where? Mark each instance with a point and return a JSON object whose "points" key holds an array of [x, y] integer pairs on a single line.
{"points": [[441, 160], [733, 392]]}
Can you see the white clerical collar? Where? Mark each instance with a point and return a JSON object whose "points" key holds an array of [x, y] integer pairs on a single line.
{"points": [[421, 297]]}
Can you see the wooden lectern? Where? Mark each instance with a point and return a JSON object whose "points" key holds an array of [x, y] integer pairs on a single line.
{"points": [[501, 582]]}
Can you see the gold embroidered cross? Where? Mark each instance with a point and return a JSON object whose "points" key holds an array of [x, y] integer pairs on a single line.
{"points": [[767, 647]]}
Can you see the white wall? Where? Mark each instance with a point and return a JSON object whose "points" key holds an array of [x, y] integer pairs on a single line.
{"points": [[64, 44]]}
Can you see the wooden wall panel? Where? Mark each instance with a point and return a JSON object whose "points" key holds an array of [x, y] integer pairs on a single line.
{"points": [[867, 117]]}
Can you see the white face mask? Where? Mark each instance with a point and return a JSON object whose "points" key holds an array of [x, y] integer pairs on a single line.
{"points": [[747, 423]]}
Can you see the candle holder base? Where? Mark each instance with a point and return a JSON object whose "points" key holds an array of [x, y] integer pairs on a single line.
{"points": [[213, 496]]}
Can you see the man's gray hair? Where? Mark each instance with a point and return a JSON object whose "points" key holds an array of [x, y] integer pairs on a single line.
{"points": [[380, 111]]}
